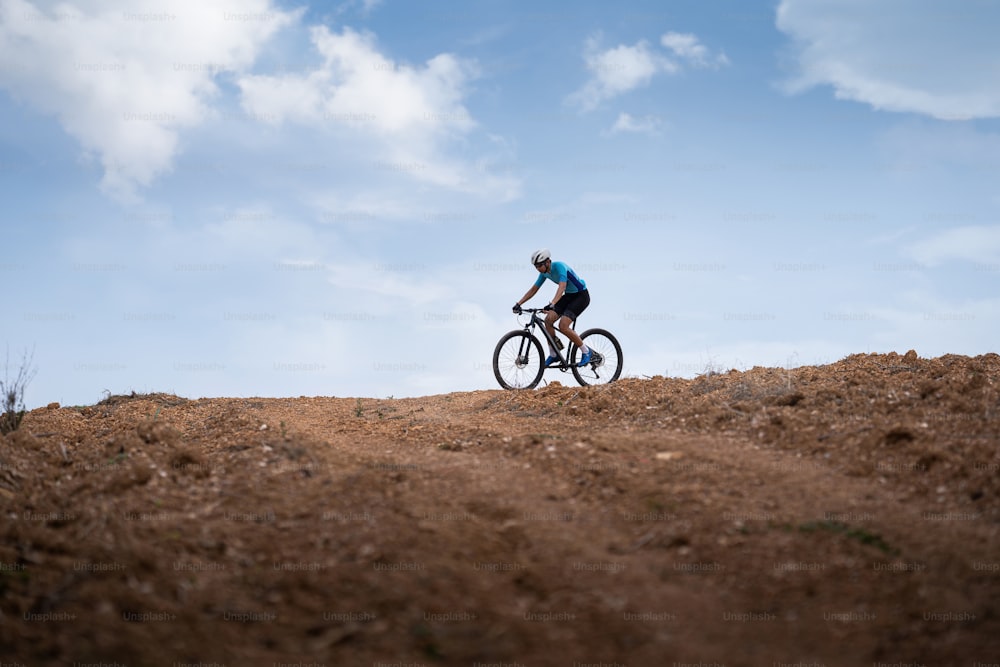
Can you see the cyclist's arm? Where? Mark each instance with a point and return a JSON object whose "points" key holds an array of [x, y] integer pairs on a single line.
{"points": [[559, 292], [527, 295]]}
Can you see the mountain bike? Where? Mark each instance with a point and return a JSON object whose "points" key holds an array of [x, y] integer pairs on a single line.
{"points": [[518, 360]]}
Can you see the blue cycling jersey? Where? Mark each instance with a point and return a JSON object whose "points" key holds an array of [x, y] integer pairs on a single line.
{"points": [[559, 272]]}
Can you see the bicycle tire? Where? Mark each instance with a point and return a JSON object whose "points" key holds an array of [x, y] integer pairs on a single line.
{"points": [[608, 368], [518, 362]]}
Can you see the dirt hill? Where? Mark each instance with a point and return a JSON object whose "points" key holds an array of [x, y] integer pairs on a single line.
{"points": [[846, 514]]}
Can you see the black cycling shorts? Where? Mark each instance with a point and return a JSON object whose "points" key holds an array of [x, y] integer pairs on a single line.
{"points": [[572, 305]]}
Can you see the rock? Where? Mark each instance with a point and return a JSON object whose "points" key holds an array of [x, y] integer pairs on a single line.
{"points": [[154, 432]]}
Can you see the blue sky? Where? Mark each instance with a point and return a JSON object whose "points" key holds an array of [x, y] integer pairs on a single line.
{"points": [[261, 198]]}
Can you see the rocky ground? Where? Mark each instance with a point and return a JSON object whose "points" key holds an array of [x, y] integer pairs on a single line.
{"points": [[846, 514]]}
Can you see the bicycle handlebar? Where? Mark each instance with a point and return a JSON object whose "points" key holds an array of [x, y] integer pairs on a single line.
{"points": [[534, 313]]}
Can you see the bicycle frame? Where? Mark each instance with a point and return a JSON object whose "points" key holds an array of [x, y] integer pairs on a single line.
{"points": [[537, 321]]}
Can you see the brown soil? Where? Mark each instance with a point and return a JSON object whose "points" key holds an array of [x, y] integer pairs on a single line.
{"points": [[846, 514]]}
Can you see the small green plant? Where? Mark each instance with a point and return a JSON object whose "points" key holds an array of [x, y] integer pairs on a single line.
{"points": [[12, 393], [358, 410], [284, 431], [860, 534]]}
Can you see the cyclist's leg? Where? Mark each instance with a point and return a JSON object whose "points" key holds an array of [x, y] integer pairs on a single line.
{"points": [[570, 309], [550, 320], [566, 327]]}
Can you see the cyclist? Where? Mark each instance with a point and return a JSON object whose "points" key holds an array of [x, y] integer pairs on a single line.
{"points": [[570, 300]]}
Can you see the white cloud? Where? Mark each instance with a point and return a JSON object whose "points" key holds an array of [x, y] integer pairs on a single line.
{"points": [[399, 283], [688, 47], [125, 78], [618, 70], [974, 243], [629, 123], [623, 68], [398, 98], [919, 56], [408, 113]]}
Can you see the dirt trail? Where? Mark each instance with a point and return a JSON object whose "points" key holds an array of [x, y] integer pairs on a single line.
{"points": [[846, 514]]}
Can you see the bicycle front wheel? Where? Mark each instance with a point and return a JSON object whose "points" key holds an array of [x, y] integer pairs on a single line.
{"points": [[517, 361], [605, 364]]}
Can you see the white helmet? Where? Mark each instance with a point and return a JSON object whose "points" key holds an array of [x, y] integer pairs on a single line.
{"points": [[540, 256]]}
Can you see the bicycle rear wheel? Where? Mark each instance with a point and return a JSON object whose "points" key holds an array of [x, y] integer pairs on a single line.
{"points": [[606, 363], [517, 361]]}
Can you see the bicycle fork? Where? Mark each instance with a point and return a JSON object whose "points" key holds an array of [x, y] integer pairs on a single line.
{"points": [[524, 349]]}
